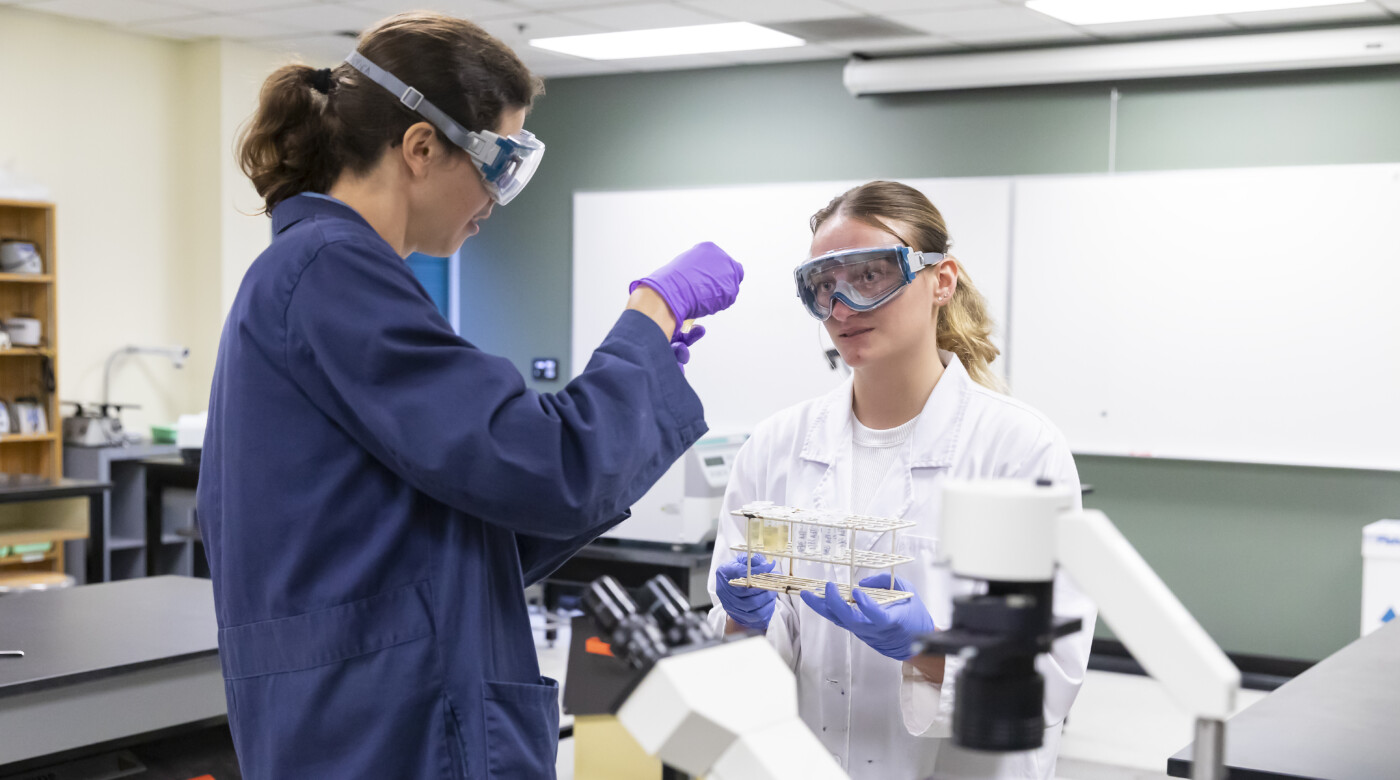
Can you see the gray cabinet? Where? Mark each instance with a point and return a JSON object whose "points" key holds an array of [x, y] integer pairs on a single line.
{"points": [[123, 553]]}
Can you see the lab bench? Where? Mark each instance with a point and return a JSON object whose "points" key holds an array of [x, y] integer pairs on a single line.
{"points": [[1336, 720], [105, 665]]}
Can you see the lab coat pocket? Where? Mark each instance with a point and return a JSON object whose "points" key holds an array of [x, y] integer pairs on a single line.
{"points": [[522, 729]]}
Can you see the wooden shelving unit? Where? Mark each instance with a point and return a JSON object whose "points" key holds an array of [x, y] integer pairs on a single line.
{"points": [[32, 372]]}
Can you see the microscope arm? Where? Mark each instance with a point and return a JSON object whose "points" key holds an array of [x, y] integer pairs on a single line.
{"points": [[1169, 643]]}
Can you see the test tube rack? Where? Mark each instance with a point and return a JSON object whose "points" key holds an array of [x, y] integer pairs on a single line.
{"points": [[762, 511]]}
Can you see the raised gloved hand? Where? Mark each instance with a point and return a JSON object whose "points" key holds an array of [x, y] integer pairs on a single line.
{"points": [[699, 281], [890, 630], [681, 343], [751, 608]]}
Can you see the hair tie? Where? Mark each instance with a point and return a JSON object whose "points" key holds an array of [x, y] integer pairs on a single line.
{"points": [[321, 81]]}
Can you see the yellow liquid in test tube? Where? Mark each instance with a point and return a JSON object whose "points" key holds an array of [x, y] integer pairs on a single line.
{"points": [[775, 535]]}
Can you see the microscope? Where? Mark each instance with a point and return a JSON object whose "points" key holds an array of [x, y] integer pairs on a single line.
{"points": [[670, 681], [720, 707], [1012, 535]]}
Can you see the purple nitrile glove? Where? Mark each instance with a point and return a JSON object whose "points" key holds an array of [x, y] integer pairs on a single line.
{"points": [[699, 281], [890, 630], [751, 608], [682, 342]]}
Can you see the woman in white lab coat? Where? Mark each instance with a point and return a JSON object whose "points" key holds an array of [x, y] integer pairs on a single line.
{"points": [[922, 407]]}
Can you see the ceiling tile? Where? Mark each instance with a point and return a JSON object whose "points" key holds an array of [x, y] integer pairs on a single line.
{"points": [[518, 30], [322, 50], [126, 12], [320, 18], [559, 5], [911, 44], [760, 11], [214, 27], [227, 7], [915, 6], [641, 16], [984, 21], [1194, 24], [1316, 15], [466, 9]]}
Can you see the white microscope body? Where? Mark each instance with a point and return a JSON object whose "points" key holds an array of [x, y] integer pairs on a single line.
{"points": [[1014, 531]]}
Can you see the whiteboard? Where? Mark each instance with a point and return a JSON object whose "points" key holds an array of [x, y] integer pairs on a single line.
{"points": [[1238, 315], [765, 353]]}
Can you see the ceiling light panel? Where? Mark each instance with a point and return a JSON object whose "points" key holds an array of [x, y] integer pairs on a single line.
{"points": [[642, 16], [669, 41], [760, 11], [1109, 11]]}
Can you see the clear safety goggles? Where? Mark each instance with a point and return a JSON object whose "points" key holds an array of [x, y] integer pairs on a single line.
{"points": [[506, 162], [863, 279]]}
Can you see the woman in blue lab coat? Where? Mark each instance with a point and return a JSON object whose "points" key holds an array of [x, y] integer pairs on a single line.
{"points": [[376, 492]]}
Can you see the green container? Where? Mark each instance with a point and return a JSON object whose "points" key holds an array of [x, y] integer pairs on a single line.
{"points": [[162, 434], [4, 551], [26, 549]]}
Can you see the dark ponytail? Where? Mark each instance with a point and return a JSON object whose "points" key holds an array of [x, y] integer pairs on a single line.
{"points": [[312, 125], [289, 146]]}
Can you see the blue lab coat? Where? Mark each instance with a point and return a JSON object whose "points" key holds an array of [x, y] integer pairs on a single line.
{"points": [[375, 494]]}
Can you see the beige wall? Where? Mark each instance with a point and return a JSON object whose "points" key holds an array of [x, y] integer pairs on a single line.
{"points": [[133, 136]]}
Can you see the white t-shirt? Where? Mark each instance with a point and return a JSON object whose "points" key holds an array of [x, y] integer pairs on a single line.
{"points": [[873, 452]]}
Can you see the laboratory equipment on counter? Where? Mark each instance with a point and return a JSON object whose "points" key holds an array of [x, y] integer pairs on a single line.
{"points": [[177, 354], [20, 257], [95, 425], [32, 418], [824, 537], [1012, 534], [725, 708], [24, 331], [189, 436], [683, 507]]}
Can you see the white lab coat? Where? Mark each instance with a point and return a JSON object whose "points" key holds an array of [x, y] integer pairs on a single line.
{"points": [[880, 718]]}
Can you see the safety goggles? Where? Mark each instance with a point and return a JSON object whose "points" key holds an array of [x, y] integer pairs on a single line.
{"points": [[863, 279], [506, 162]]}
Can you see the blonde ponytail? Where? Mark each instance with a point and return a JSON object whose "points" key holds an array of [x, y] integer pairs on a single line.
{"points": [[964, 327]]}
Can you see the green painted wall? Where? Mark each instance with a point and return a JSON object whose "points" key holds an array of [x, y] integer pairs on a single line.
{"points": [[1267, 558]]}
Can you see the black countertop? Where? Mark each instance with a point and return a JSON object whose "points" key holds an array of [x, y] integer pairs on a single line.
{"points": [[1336, 721], [84, 633], [26, 487]]}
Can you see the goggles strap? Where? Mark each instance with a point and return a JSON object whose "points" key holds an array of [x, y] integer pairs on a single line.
{"points": [[475, 144]]}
